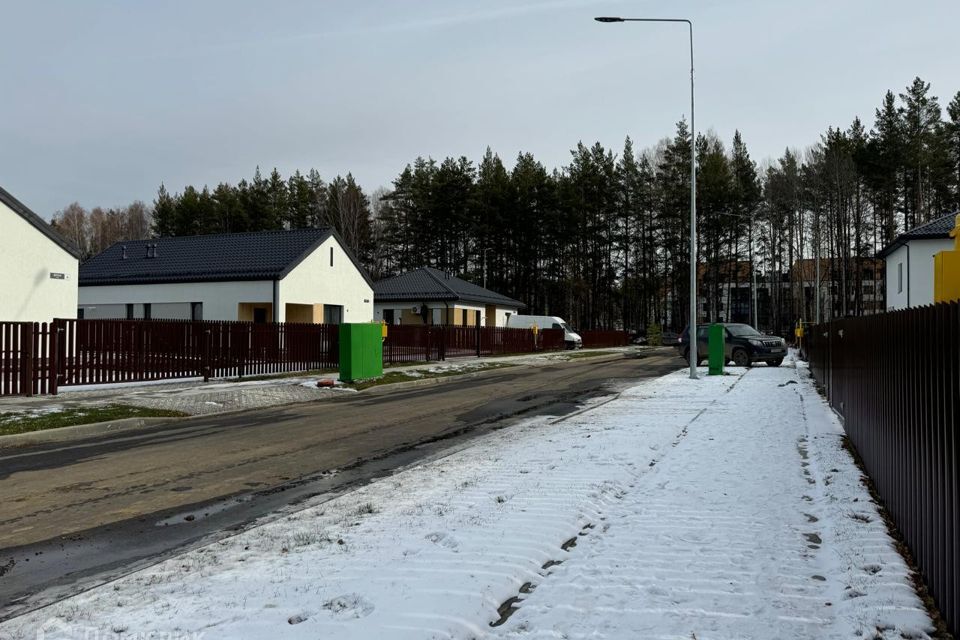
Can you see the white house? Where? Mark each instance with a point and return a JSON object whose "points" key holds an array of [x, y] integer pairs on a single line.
{"points": [[39, 267], [431, 296], [910, 262], [306, 275]]}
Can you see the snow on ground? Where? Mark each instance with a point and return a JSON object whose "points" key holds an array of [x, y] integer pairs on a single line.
{"points": [[718, 508]]}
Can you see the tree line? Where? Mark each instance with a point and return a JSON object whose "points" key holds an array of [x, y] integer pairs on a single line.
{"points": [[604, 240]]}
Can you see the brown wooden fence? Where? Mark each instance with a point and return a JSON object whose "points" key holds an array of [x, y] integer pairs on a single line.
{"points": [[599, 338], [894, 378], [25, 359], [109, 351], [40, 358], [426, 343]]}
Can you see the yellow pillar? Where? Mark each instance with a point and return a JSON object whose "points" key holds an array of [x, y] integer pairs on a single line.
{"points": [[946, 270]]}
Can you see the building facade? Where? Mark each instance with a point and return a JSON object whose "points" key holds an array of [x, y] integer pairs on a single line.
{"points": [[39, 267], [430, 296], [306, 276], [910, 262]]}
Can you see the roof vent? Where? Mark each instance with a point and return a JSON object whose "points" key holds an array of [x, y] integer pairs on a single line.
{"points": [[446, 275], [152, 250], [123, 252]]}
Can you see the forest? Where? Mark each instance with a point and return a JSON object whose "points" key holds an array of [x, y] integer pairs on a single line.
{"points": [[603, 241]]}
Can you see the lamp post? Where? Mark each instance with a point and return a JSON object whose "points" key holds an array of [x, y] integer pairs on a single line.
{"points": [[692, 337]]}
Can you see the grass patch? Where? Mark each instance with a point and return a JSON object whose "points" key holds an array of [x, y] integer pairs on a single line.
{"points": [[393, 377], [14, 423]]}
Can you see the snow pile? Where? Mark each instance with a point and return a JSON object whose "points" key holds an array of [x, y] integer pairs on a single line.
{"points": [[718, 508]]}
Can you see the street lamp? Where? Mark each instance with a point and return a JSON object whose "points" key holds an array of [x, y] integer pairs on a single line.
{"points": [[692, 337]]}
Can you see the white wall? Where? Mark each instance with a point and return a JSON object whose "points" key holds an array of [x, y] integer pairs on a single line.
{"points": [[918, 277], [27, 258], [399, 307], [220, 299], [314, 281]]}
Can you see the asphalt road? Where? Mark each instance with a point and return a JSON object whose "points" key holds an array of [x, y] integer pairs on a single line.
{"points": [[78, 513]]}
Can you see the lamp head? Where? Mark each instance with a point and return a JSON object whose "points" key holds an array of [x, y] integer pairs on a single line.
{"points": [[609, 19]]}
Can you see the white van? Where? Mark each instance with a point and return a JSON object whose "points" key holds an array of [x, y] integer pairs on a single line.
{"points": [[570, 337]]}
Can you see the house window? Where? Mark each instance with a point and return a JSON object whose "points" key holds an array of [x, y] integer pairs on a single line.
{"points": [[259, 315], [80, 313], [331, 256], [146, 311], [196, 311], [388, 316], [899, 277], [129, 312]]}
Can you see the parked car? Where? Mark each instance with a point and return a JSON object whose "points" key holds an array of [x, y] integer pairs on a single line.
{"points": [[669, 338], [570, 337], [744, 345]]}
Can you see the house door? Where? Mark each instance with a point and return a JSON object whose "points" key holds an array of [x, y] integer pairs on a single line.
{"points": [[332, 314]]}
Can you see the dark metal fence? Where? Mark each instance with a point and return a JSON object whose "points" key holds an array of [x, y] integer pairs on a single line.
{"points": [[895, 380], [599, 338]]}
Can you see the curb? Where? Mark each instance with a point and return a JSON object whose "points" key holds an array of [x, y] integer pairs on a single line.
{"points": [[125, 425], [78, 432]]}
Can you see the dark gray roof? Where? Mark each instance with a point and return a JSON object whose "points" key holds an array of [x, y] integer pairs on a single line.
{"points": [[258, 255], [39, 223], [936, 228], [432, 285]]}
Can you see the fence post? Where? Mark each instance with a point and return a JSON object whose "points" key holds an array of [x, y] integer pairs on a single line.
{"points": [[56, 330], [479, 334], [205, 363], [26, 359]]}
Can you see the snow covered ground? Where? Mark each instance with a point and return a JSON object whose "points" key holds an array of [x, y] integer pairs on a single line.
{"points": [[718, 508]]}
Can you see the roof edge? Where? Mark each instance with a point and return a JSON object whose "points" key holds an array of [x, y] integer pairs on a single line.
{"points": [[37, 222]]}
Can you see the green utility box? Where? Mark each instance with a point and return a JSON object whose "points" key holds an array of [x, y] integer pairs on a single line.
{"points": [[361, 351], [717, 348]]}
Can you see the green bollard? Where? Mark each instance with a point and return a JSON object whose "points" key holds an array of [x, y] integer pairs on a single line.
{"points": [[717, 349]]}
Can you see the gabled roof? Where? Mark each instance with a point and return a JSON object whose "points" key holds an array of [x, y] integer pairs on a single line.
{"points": [[258, 255], [933, 230], [39, 223], [432, 285]]}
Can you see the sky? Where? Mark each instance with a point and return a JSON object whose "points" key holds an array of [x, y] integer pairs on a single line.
{"points": [[102, 101]]}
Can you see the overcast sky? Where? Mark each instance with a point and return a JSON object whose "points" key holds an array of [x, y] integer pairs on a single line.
{"points": [[102, 101]]}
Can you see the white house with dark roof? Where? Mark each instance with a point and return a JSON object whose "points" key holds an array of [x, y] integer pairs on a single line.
{"points": [[305, 275], [39, 266], [910, 262], [431, 296]]}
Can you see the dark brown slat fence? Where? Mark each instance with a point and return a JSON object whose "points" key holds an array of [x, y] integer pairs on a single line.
{"points": [[111, 351], [600, 338], [25, 359], [426, 343], [413, 344], [37, 358], [895, 380]]}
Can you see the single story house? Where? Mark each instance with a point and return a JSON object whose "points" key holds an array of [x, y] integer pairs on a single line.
{"points": [[39, 266], [306, 275], [910, 262], [431, 296]]}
